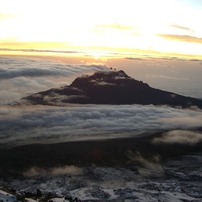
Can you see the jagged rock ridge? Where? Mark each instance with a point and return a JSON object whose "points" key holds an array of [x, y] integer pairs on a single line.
{"points": [[110, 87]]}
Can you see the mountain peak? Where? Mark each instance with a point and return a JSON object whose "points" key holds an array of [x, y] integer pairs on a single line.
{"points": [[101, 78], [110, 87]]}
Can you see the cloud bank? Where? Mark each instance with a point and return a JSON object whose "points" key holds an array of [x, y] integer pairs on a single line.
{"points": [[22, 76], [40, 124], [179, 137], [12, 68], [185, 38]]}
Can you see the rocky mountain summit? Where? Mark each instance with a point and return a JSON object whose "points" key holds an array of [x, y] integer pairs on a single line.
{"points": [[110, 87]]}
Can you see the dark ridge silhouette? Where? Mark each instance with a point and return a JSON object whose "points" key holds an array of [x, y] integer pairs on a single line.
{"points": [[110, 152], [110, 87]]}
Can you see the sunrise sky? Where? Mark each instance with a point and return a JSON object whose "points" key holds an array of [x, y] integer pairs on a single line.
{"points": [[152, 27]]}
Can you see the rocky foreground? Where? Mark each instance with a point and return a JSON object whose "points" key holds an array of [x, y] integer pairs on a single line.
{"points": [[177, 180], [118, 170], [110, 87]]}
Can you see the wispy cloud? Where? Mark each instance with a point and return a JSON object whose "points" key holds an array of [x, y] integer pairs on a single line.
{"points": [[56, 171], [161, 76], [179, 137], [114, 26], [117, 28], [183, 28], [4, 16], [40, 47], [146, 167], [184, 38]]}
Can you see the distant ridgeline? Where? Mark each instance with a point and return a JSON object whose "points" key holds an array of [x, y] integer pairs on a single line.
{"points": [[110, 87]]}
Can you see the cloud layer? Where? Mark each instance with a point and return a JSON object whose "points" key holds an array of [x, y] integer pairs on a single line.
{"points": [[84, 122], [12, 68], [22, 76], [25, 125], [179, 137]]}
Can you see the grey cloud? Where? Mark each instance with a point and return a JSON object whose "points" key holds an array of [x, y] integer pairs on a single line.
{"points": [[56, 171], [179, 137], [182, 28], [22, 76], [84, 122], [16, 88], [191, 120], [11, 68], [146, 167], [134, 58]]}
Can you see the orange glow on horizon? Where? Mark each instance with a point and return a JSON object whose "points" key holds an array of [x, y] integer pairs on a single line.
{"points": [[101, 27], [97, 52]]}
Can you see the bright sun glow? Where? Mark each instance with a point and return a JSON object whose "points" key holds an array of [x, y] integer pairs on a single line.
{"points": [[93, 25]]}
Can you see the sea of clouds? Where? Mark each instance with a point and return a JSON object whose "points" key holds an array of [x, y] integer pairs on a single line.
{"points": [[46, 124], [23, 76], [21, 125]]}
